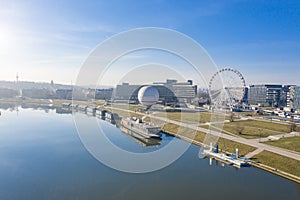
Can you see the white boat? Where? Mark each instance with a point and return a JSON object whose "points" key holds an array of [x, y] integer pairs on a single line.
{"points": [[140, 139], [142, 128]]}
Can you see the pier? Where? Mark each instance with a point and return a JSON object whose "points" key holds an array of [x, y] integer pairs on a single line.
{"points": [[232, 160]]}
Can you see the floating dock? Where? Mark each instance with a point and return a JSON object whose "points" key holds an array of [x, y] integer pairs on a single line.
{"points": [[101, 112], [91, 110], [232, 160]]}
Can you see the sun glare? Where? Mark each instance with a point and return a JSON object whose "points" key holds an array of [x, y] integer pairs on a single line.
{"points": [[6, 39]]}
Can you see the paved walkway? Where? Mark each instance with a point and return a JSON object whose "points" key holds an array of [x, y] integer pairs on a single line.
{"points": [[277, 137], [253, 153]]}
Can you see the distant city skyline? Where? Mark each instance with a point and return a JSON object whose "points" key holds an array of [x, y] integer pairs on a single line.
{"points": [[44, 41], [30, 84]]}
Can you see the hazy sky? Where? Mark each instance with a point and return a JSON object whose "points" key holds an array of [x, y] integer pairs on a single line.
{"points": [[49, 40]]}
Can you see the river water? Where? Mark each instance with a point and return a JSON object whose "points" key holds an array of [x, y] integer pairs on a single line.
{"points": [[42, 157]]}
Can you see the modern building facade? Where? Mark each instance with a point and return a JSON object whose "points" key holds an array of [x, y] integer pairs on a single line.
{"points": [[245, 97], [185, 92], [129, 93], [125, 92], [38, 93], [104, 94], [64, 94], [294, 98], [265, 95], [285, 98], [170, 92], [8, 93]]}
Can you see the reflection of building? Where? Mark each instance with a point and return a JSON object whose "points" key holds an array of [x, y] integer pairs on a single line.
{"points": [[170, 92], [63, 111], [140, 139], [265, 95]]}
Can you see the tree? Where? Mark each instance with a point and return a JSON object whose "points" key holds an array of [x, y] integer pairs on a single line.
{"points": [[293, 127], [240, 129], [231, 117]]}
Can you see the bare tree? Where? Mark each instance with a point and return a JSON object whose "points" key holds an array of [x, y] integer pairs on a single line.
{"points": [[231, 117], [293, 127], [240, 129]]}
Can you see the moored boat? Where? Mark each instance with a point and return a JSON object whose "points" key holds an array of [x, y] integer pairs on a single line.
{"points": [[141, 127]]}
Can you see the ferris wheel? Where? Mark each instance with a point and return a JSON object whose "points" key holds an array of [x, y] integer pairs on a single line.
{"points": [[227, 86]]}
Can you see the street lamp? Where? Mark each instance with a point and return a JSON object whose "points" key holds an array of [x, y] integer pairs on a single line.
{"points": [[259, 129]]}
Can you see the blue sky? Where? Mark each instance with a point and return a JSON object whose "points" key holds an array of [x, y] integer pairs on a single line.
{"points": [[45, 40]]}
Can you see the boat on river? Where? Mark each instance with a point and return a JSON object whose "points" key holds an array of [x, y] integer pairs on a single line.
{"points": [[145, 129]]}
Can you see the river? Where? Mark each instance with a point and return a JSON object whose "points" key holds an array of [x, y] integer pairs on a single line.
{"points": [[42, 157]]}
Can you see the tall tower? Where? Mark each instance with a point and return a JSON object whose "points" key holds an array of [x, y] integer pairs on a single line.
{"points": [[18, 85]]}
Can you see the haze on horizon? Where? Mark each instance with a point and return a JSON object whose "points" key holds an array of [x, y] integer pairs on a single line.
{"points": [[44, 41]]}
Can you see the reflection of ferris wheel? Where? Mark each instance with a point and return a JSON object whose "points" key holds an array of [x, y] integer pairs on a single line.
{"points": [[227, 85]]}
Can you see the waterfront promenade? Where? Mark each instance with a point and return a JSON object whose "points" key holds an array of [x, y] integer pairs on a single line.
{"points": [[250, 142]]}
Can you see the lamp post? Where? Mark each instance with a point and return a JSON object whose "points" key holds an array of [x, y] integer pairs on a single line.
{"points": [[259, 133]]}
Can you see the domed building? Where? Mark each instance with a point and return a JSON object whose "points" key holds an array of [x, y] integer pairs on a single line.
{"points": [[170, 92], [148, 95]]}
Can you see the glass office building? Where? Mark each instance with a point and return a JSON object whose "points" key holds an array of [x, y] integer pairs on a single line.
{"points": [[265, 95]]}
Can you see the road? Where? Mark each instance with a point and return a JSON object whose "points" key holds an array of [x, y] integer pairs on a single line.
{"points": [[277, 137], [253, 143]]}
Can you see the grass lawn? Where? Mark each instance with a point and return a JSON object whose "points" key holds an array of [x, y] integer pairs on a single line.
{"points": [[124, 113], [279, 162], [183, 131], [253, 128], [224, 144], [230, 146], [190, 118], [131, 107], [291, 143]]}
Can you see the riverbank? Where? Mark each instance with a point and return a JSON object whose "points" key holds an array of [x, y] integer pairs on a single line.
{"points": [[273, 163], [197, 137], [280, 165]]}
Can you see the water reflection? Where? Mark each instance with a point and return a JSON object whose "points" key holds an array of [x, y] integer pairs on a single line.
{"points": [[63, 111], [14, 106], [41, 157], [138, 138]]}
